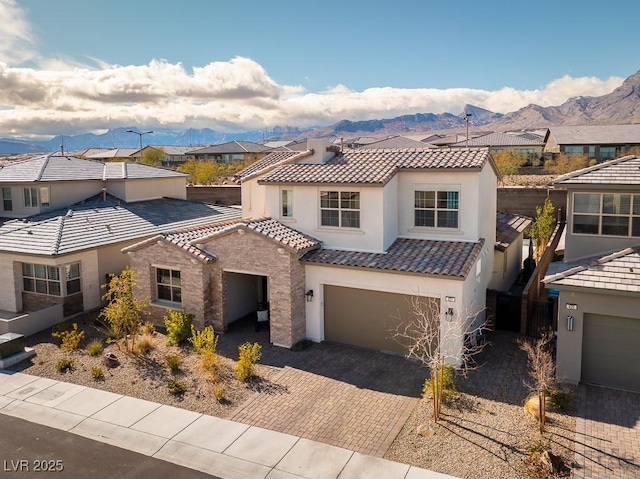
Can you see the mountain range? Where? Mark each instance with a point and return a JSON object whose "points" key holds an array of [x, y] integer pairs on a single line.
{"points": [[618, 107]]}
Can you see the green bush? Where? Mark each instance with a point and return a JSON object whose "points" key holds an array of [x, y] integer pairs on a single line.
{"points": [[178, 324], [70, 338], [448, 385], [174, 362], [94, 348], [64, 365], [205, 340], [176, 387], [561, 400], [248, 355], [96, 373]]}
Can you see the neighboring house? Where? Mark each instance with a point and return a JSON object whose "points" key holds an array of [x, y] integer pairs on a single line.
{"points": [[173, 156], [600, 142], [231, 152], [122, 154], [54, 260], [508, 250], [397, 142], [599, 279], [530, 148], [338, 243]]}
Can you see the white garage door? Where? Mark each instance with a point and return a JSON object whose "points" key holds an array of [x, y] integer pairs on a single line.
{"points": [[611, 351]]}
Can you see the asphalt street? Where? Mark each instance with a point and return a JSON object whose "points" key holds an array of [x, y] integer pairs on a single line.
{"points": [[32, 450]]}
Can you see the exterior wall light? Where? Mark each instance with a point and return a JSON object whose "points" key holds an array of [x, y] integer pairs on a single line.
{"points": [[449, 313], [569, 323], [309, 295]]}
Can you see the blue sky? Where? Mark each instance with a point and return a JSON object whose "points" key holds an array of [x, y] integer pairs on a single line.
{"points": [[70, 66]]}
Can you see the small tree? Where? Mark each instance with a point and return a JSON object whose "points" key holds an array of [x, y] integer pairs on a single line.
{"points": [[566, 163], [441, 343], [509, 162], [542, 227], [152, 156], [541, 369], [124, 311]]}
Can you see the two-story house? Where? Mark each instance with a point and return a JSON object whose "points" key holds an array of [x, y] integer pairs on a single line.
{"points": [[338, 243], [68, 219], [599, 279]]}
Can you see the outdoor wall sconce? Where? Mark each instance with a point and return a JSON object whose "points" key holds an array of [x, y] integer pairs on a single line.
{"points": [[309, 295], [569, 323], [449, 313]]}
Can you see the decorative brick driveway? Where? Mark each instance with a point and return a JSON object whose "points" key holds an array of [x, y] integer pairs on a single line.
{"points": [[607, 434], [347, 397]]}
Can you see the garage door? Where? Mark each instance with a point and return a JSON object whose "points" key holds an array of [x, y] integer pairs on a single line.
{"points": [[611, 351], [364, 318]]}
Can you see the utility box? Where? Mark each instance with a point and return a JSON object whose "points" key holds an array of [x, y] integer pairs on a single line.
{"points": [[10, 344]]}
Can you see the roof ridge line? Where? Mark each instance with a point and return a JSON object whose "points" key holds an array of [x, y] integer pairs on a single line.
{"points": [[43, 167], [58, 239]]}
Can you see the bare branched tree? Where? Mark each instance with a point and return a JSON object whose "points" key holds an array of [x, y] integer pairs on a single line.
{"points": [[541, 369], [436, 343]]}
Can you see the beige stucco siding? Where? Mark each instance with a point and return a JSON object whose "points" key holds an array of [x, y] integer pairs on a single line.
{"points": [[149, 189]]}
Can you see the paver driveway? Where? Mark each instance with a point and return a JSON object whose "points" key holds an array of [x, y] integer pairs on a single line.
{"points": [[607, 434], [347, 397]]}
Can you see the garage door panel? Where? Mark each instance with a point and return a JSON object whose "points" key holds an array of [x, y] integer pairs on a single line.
{"points": [[611, 351], [364, 318]]}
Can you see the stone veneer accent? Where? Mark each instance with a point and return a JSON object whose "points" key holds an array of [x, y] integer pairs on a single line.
{"points": [[35, 302], [204, 289]]}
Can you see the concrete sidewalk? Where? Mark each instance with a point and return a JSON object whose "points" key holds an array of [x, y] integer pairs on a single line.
{"points": [[206, 443]]}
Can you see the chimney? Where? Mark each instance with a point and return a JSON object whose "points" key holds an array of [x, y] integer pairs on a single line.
{"points": [[323, 151]]}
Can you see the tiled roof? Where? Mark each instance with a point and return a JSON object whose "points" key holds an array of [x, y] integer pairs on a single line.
{"points": [[440, 258], [189, 239], [95, 222], [113, 153], [271, 160], [500, 139], [596, 134], [65, 168], [621, 171], [396, 142], [231, 147], [508, 228], [619, 271], [364, 166]]}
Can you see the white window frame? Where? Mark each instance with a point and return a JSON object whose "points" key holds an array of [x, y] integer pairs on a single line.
{"points": [[7, 199], [421, 204], [172, 286], [632, 217], [44, 196], [286, 203], [344, 207], [30, 197]]}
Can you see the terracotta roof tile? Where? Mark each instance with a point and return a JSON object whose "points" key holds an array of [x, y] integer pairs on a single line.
{"points": [[442, 258], [271, 160]]}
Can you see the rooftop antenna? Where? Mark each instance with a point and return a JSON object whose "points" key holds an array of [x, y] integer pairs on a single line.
{"points": [[466, 120]]}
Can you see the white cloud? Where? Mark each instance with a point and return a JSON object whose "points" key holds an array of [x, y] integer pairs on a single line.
{"points": [[16, 37], [234, 95]]}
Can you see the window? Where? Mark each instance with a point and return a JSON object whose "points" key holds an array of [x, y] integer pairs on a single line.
{"points": [[608, 214], [40, 278], [436, 209], [340, 209], [287, 204], [44, 196], [607, 152], [574, 150], [168, 283], [72, 277], [7, 203], [30, 197]]}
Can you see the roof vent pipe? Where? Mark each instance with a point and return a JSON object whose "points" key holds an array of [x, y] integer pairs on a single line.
{"points": [[104, 194]]}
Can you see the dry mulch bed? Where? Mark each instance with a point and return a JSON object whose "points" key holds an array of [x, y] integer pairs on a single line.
{"points": [[144, 376]]}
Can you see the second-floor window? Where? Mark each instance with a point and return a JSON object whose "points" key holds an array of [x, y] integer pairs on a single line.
{"points": [[30, 197], [607, 214], [436, 209], [7, 202], [287, 204], [340, 209]]}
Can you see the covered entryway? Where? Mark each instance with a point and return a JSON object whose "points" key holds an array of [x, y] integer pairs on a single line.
{"points": [[365, 318], [610, 352], [246, 294]]}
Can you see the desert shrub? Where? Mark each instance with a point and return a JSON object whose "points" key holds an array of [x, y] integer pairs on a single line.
{"points": [[148, 328], [248, 355], [94, 348], [178, 324], [218, 392], [64, 365], [176, 387], [448, 385], [144, 345], [204, 341], [566, 163], [174, 362], [96, 373], [561, 400], [209, 363], [70, 338]]}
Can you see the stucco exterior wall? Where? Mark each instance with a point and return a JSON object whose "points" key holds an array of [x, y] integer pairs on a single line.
{"points": [[507, 266], [149, 189], [569, 345]]}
